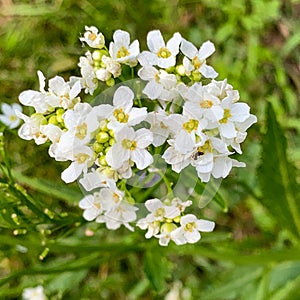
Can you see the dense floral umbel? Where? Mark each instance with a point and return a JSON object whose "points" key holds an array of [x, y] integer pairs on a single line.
{"points": [[186, 116]]}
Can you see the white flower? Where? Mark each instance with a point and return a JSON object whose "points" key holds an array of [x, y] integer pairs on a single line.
{"points": [[81, 157], [92, 206], [159, 128], [122, 51], [232, 113], [201, 104], [203, 158], [198, 58], [158, 210], [122, 113], [187, 131], [240, 133], [60, 94], [117, 210], [121, 214], [111, 66], [31, 129], [130, 145], [165, 233], [152, 227], [81, 122], [188, 232], [52, 132], [36, 293], [93, 38], [176, 159], [89, 80], [38, 100], [64, 94], [95, 179], [161, 85], [181, 205], [222, 89], [162, 55], [9, 116]]}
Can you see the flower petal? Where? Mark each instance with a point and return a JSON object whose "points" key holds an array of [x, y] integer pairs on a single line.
{"points": [[155, 41], [142, 158], [123, 97], [206, 50]]}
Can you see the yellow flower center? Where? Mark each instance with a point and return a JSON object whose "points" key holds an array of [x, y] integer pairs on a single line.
{"points": [[116, 197], [196, 62], [97, 205], [160, 212], [120, 115], [92, 36], [122, 52], [205, 148], [190, 226], [163, 53], [206, 104], [12, 118], [81, 157], [128, 144], [190, 125], [226, 116], [81, 131]]}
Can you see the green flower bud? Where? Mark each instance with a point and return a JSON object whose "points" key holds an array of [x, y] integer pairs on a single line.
{"points": [[102, 137], [111, 133], [103, 125], [98, 147], [53, 120], [110, 82], [97, 55], [196, 76], [106, 149], [102, 160], [112, 141], [39, 117], [180, 70], [177, 219]]}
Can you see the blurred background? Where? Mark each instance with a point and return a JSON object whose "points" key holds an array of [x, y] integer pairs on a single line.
{"points": [[254, 251]]}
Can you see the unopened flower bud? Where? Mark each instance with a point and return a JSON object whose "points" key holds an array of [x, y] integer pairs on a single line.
{"points": [[102, 137]]}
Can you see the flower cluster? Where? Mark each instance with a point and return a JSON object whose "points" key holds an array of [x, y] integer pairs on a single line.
{"points": [[183, 114]]}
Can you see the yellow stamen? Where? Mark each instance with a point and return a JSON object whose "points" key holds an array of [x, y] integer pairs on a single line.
{"points": [[163, 53]]}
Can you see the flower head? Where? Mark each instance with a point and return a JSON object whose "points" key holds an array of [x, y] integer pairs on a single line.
{"points": [[9, 116], [122, 51], [93, 38], [161, 54]]}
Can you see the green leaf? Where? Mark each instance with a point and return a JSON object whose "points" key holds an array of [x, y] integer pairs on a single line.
{"points": [[66, 281], [277, 177], [234, 286], [156, 269], [60, 191]]}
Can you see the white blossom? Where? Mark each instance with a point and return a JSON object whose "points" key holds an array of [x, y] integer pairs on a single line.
{"points": [[161, 85], [9, 116], [121, 113], [93, 37], [36, 293], [130, 145], [196, 59], [89, 81], [92, 206], [122, 51], [160, 54], [189, 231]]}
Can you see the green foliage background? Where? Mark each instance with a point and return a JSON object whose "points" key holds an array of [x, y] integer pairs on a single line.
{"points": [[254, 253]]}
